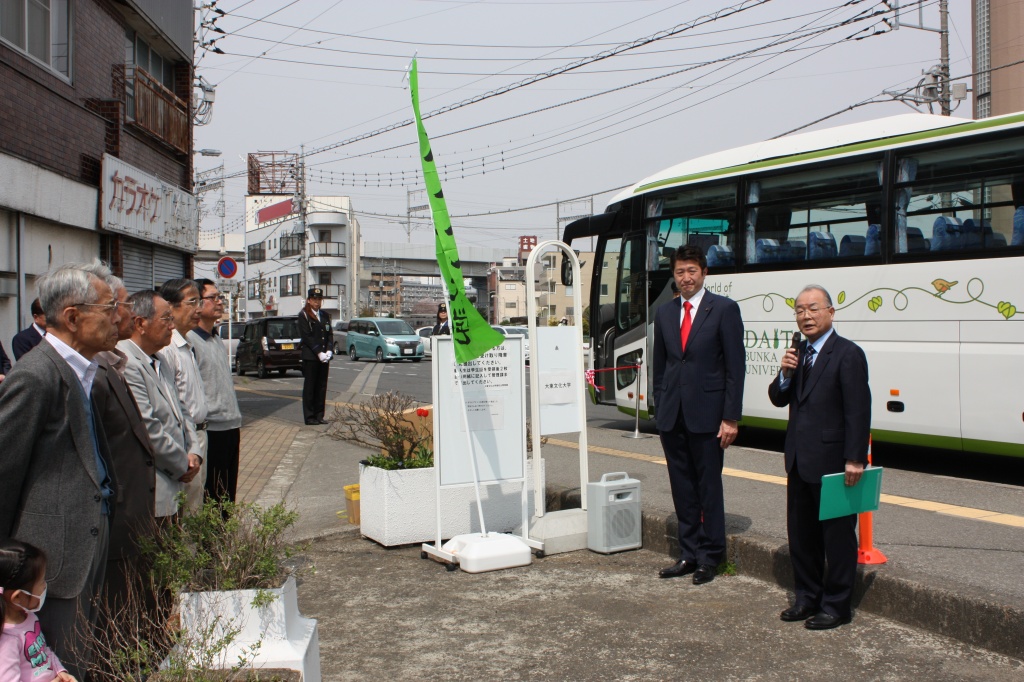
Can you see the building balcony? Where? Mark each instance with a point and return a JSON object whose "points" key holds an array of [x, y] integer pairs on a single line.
{"points": [[326, 219], [327, 255], [332, 291], [157, 110]]}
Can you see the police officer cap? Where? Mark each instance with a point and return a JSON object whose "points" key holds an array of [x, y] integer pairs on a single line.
{"points": [[442, 308], [315, 292]]}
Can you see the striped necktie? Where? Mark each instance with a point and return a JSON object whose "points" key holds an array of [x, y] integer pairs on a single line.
{"points": [[808, 360]]}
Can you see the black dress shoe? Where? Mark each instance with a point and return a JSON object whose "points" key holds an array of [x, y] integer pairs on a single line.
{"points": [[703, 574], [323, 421], [824, 621], [680, 568], [798, 612]]}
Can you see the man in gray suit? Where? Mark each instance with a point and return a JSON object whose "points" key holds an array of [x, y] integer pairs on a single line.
{"points": [[55, 481], [171, 433]]}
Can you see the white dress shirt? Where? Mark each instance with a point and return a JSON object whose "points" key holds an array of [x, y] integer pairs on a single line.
{"points": [[84, 369], [180, 358]]}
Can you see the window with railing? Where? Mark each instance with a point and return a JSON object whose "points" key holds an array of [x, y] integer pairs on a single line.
{"points": [[41, 29], [327, 249], [291, 245], [256, 253], [150, 102]]}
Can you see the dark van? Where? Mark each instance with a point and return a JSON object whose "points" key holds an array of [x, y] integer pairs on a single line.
{"points": [[268, 344]]}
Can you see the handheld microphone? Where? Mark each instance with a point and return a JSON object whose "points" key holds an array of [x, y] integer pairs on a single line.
{"points": [[795, 345]]}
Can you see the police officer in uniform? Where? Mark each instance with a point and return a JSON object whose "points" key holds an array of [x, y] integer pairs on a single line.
{"points": [[317, 344], [442, 326]]}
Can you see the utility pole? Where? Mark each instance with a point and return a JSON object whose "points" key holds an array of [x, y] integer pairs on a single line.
{"points": [[301, 197], [934, 86], [410, 209], [944, 57]]}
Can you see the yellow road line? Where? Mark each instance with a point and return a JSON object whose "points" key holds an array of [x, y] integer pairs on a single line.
{"points": [[296, 398], [910, 502]]}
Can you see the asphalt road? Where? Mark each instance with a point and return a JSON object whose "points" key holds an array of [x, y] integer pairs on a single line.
{"points": [[355, 381]]}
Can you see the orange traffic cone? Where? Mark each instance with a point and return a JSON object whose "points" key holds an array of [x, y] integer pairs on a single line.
{"points": [[867, 553]]}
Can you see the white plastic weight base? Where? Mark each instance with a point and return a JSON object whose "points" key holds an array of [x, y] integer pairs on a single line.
{"points": [[477, 553], [560, 531]]}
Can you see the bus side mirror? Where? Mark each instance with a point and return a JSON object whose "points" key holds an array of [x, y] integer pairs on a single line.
{"points": [[566, 271]]}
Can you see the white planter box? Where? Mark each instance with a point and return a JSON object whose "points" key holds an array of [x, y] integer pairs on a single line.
{"points": [[287, 639], [398, 507]]}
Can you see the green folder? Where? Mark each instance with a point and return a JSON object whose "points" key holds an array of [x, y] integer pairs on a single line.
{"points": [[839, 499]]}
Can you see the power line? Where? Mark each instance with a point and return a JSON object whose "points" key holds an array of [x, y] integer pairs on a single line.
{"points": [[742, 6]]}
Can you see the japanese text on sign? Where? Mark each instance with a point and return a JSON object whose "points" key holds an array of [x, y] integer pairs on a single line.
{"points": [[490, 371]]}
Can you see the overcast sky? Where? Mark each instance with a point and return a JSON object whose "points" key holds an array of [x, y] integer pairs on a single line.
{"points": [[325, 72]]}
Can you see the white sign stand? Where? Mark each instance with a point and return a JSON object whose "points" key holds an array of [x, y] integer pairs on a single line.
{"points": [[484, 399], [557, 389]]}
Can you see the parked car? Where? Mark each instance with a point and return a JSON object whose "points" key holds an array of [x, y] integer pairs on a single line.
{"points": [[383, 338], [424, 333], [237, 328], [519, 331], [340, 334], [268, 344]]}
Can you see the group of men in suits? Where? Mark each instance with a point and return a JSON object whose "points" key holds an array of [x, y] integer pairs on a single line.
{"points": [[106, 408], [698, 372]]}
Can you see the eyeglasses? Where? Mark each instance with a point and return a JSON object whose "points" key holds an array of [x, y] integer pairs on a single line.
{"points": [[190, 303], [810, 310], [106, 307], [127, 304], [166, 319], [214, 297]]}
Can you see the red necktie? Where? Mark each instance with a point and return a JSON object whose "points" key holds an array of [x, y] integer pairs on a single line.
{"points": [[684, 331]]}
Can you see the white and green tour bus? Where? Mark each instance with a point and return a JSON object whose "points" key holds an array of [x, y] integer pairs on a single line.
{"points": [[913, 223]]}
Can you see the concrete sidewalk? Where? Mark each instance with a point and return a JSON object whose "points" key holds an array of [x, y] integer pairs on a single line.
{"points": [[975, 601]]}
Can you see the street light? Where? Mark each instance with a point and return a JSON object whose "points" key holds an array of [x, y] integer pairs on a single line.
{"points": [[208, 152]]}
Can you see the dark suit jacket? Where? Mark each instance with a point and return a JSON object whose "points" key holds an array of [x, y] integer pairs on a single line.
{"points": [[829, 415], [5, 362], [316, 334], [49, 486], [24, 341], [132, 458], [708, 377]]}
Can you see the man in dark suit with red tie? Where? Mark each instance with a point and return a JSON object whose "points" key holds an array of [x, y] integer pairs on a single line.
{"points": [[698, 365], [825, 384]]}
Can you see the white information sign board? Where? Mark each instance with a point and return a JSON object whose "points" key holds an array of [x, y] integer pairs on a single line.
{"points": [[494, 386], [557, 354]]}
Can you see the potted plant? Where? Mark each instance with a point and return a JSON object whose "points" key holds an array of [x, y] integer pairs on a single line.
{"points": [[397, 485], [225, 599]]}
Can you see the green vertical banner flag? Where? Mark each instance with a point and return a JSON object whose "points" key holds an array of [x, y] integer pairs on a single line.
{"points": [[472, 334]]}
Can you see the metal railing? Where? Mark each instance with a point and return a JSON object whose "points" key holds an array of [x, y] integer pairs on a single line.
{"points": [[327, 249], [157, 110], [333, 290]]}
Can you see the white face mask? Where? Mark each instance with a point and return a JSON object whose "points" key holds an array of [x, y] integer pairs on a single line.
{"points": [[41, 598]]}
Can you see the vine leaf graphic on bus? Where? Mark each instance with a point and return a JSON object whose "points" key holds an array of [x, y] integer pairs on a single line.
{"points": [[900, 299], [942, 286]]}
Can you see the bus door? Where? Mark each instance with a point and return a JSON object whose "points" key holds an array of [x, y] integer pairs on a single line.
{"points": [[623, 322]]}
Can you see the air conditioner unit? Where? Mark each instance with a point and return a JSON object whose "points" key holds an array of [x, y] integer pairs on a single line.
{"points": [[613, 514]]}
